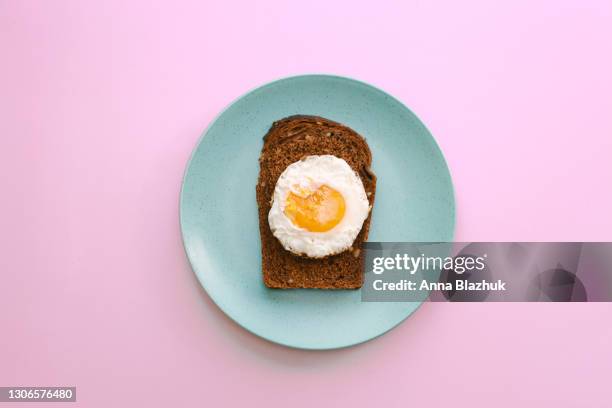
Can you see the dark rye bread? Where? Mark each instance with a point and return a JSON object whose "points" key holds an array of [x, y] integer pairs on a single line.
{"points": [[287, 141]]}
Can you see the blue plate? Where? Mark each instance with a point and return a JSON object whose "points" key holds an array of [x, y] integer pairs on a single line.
{"points": [[414, 202]]}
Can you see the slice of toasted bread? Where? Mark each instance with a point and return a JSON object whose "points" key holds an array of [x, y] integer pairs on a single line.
{"points": [[287, 141]]}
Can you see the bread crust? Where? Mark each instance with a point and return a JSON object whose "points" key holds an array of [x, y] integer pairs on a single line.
{"points": [[289, 140]]}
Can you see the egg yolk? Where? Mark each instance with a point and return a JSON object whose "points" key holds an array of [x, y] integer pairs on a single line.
{"points": [[317, 211]]}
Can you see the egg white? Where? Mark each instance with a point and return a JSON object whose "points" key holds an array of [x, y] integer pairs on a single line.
{"points": [[310, 173]]}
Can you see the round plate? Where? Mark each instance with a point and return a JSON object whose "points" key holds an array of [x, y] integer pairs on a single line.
{"points": [[414, 202]]}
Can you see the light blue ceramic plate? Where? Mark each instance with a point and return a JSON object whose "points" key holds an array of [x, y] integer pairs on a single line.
{"points": [[414, 202]]}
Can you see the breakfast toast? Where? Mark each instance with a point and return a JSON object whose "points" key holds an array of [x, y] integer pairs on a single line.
{"points": [[288, 141]]}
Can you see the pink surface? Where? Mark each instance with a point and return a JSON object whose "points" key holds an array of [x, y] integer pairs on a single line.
{"points": [[102, 102]]}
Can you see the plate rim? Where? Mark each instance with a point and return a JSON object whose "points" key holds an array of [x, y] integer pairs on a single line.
{"points": [[200, 141]]}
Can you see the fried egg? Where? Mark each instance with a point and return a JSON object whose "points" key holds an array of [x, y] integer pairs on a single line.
{"points": [[318, 207]]}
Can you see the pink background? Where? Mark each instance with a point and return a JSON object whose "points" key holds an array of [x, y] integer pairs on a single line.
{"points": [[102, 103]]}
